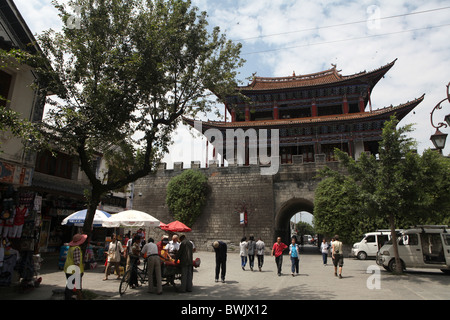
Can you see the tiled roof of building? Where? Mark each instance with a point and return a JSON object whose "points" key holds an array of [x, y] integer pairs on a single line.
{"points": [[329, 76], [400, 111]]}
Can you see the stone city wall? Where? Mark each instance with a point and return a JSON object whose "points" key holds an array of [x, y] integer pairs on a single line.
{"points": [[229, 189]]}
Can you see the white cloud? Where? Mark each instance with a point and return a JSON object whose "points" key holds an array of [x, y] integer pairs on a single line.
{"points": [[40, 15], [423, 55]]}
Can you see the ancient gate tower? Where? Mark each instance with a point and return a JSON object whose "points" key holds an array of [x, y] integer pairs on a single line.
{"points": [[311, 114]]}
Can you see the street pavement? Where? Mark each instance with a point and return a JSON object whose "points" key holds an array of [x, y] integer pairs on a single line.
{"points": [[314, 282]]}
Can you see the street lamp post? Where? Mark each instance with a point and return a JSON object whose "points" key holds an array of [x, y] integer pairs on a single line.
{"points": [[439, 138]]}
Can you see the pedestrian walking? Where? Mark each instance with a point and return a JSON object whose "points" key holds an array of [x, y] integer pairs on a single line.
{"points": [[260, 246], [331, 250], [338, 256], [220, 249], [251, 252], [150, 250], [277, 251], [74, 258], [243, 252], [134, 256], [115, 250], [185, 255], [294, 253], [324, 246], [127, 250]]}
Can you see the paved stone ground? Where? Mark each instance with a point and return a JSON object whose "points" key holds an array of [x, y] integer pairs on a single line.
{"points": [[315, 282]]}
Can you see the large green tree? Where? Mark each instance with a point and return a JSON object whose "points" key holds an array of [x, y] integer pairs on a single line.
{"points": [[186, 196], [123, 73], [401, 188], [337, 209], [304, 228]]}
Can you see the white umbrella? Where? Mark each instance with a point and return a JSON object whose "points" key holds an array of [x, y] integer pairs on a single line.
{"points": [[131, 218], [77, 218]]}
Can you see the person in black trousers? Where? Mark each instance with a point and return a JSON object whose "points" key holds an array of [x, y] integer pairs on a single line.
{"points": [[134, 254], [220, 248], [185, 255]]}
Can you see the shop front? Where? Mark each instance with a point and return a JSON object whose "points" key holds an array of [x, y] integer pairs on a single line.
{"points": [[30, 223], [20, 230]]}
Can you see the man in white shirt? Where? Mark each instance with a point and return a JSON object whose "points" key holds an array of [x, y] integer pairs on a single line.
{"points": [[260, 246], [338, 256], [173, 246], [150, 250]]}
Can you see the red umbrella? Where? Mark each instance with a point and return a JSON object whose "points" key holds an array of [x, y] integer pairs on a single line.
{"points": [[175, 226]]}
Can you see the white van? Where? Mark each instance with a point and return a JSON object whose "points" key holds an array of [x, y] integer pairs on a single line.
{"points": [[307, 238], [421, 246], [370, 244]]}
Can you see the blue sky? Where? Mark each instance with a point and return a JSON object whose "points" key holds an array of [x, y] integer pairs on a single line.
{"points": [[283, 36]]}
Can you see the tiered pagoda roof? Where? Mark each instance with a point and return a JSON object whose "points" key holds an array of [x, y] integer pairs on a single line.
{"points": [[323, 78], [313, 81], [314, 113], [400, 111]]}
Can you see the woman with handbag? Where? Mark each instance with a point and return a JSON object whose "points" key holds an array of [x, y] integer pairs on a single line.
{"points": [[114, 252]]}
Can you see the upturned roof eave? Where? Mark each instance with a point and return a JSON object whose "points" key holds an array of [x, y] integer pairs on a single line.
{"points": [[376, 74], [401, 111]]}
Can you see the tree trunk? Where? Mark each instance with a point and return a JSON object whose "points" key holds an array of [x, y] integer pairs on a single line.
{"points": [[398, 264], [93, 201]]}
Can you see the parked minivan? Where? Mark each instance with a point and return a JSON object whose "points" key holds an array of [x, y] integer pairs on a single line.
{"points": [[422, 246], [370, 244]]}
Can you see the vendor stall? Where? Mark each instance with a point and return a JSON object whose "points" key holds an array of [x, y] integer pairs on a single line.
{"points": [[20, 230]]}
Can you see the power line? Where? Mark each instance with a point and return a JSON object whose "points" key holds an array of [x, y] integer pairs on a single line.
{"points": [[349, 39], [343, 24]]}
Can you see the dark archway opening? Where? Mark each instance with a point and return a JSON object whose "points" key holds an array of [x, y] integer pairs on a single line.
{"points": [[283, 217]]}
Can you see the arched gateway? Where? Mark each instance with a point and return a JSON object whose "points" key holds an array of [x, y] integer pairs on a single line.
{"points": [[285, 213], [298, 120], [271, 200]]}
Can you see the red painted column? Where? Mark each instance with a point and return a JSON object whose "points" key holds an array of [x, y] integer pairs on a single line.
{"points": [[233, 115], [276, 114], [247, 113], [314, 108], [361, 104], [345, 105], [350, 148]]}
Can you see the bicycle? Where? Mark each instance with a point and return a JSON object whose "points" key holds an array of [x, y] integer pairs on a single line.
{"points": [[141, 275], [171, 272]]}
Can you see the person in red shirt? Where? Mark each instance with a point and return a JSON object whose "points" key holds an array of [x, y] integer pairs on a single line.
{"points": [[277, 250]]}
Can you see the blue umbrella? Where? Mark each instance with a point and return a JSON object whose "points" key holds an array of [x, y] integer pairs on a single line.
{"points": [[77, 218]]}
